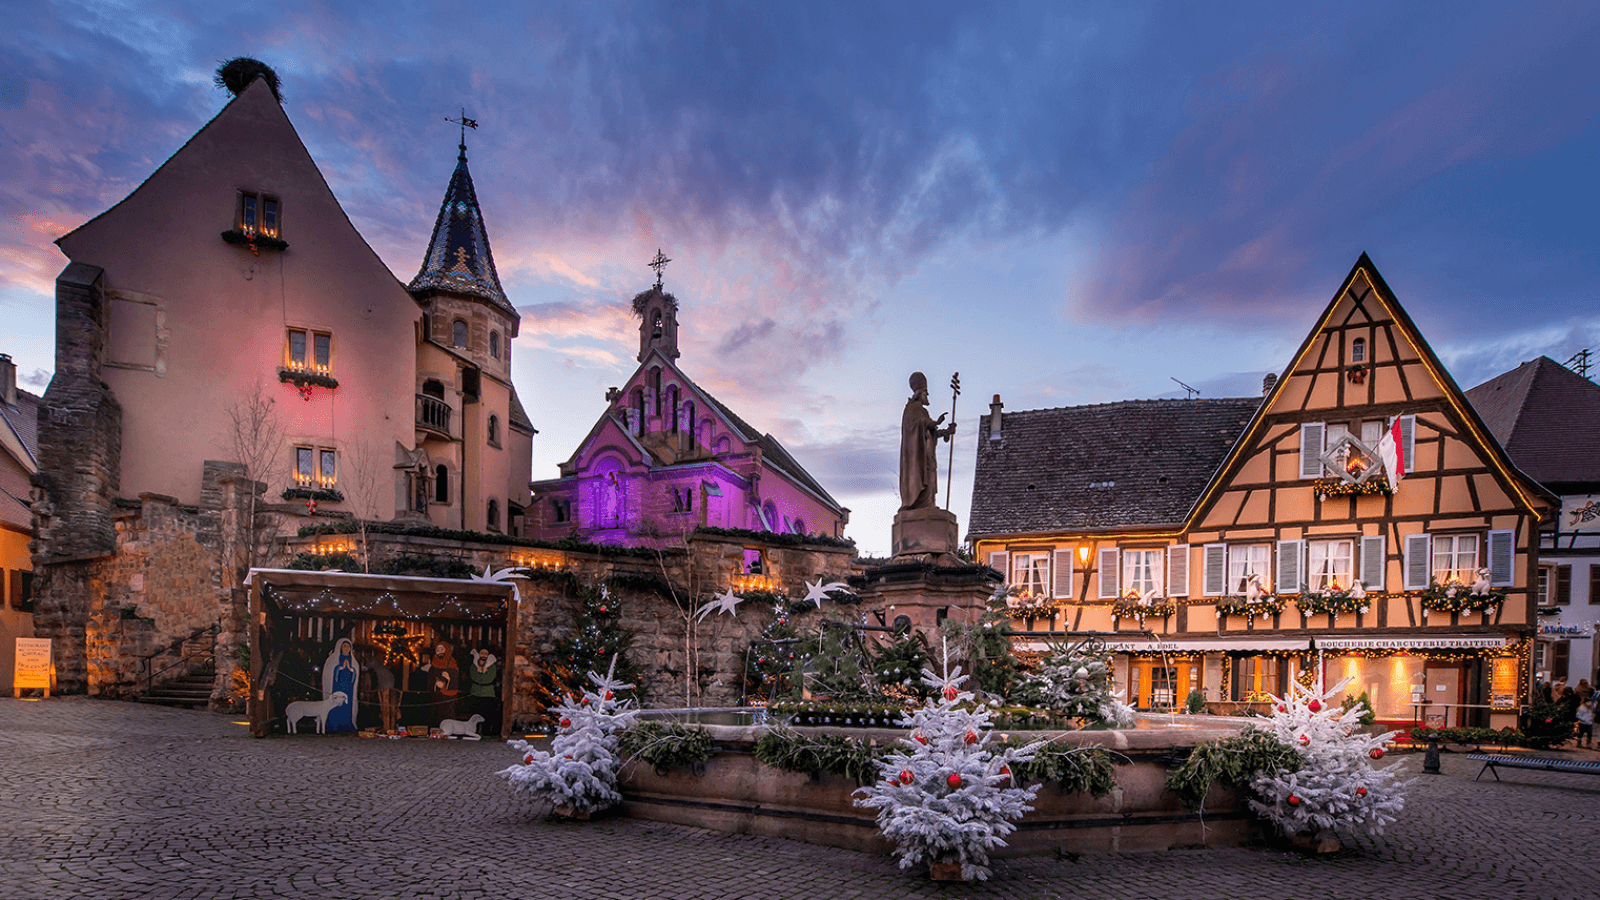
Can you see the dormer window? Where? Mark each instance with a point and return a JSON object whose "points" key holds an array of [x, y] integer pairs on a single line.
{"points": [[258, 215]]}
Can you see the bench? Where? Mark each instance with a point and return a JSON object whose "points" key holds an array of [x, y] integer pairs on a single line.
{"points": [[1544, 763]]}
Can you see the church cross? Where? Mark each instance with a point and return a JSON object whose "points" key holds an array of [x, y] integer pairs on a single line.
{"points": [[659, 264]]}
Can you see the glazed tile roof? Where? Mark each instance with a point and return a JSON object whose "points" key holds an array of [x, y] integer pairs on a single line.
{"points": [[1545, 416], [1101, 467], [458, 258]]}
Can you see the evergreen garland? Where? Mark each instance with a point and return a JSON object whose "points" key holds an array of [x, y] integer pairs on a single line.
{"points": [[788, 751], [1075, 769], [667, 745], [1233, 762]]}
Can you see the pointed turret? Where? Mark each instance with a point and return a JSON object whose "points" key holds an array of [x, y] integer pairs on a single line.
{"points": [[458, 260]]}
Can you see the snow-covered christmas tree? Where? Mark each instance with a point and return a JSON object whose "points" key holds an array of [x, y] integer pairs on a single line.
{"points": [[1337, 789], [1077, 682], [948, 799], [579, 773]]}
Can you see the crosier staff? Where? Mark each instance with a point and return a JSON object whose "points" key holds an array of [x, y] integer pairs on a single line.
{"points": [[950, 475]]}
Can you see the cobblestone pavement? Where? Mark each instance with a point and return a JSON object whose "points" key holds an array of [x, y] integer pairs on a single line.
{"points": [[114, 800]]}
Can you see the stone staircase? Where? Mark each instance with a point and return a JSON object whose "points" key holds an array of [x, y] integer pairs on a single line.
{"points": [[193, 660], [192, 691]]}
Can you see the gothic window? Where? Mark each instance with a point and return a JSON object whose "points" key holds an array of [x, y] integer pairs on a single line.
{"points": [[458, 335], [672, 406], [800, 526], [441, 484], [494, 515], [494, 344], [638, 410], [655, 387], [690, 412], [769, 516]]}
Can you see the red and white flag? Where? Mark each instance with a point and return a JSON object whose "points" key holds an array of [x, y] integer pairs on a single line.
{"points": [[1392, 450]]}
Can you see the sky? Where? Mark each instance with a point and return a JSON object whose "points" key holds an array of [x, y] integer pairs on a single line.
{"points": [[1066, 203]]}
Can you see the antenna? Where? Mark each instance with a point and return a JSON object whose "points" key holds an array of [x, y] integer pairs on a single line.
{"points": [[1193, 392], [1579, 363]]}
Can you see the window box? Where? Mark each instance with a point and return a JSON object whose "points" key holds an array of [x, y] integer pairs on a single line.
{"points": [[1141, 608], [1377, 485], [1265, 605], [321, 495], [256, 242], [1029, 604], [1455, 596], [1332, 601], [303, 378]]}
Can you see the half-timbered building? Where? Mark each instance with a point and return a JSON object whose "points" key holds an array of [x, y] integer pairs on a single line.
{"points": [[1358, 519]]}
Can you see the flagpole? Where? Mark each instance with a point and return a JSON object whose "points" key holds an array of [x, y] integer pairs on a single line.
{"points": [[950, 473]]}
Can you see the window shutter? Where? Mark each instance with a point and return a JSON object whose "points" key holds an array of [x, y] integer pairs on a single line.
{"points": [[1374, 562], [1178, 570], [1502, 557], [1311, 450], [1291, 566], [1418, 572], [1563, 585], [1110, 574], [1061, 572], [1408, 443], [1000, 561], [1215, 571]]}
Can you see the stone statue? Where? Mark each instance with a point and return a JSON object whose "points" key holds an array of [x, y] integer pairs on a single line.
{"points": [[919, 439]]}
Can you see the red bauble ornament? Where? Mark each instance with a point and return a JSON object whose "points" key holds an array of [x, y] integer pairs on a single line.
{"points": [[921, 738], [950, 692], [972, 738], [602, 609], [1005, 771], [528, 760], [584, 701], [954, 780], [1305, 740], [1361, 792], [566, 723], [1376, 753], [906, 777], [1293, 800], [609, 695], [1282, 708], [569, 756], [1314, 706]]}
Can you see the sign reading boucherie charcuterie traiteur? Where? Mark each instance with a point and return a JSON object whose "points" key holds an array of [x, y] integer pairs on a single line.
{"points": [[32, 668]]}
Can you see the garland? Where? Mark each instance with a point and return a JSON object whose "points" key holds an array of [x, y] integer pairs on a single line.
{"points": [[860, 714], [1076, 769], [1136, 608], [788, 751], [1377, 485], [1477, 737], [1267, 605], [303, 379], [1455, 597], [321, 495], [787, 539], [1331, 602], [1031, 606], [480, 537], [667, 745], [1233, 762]]}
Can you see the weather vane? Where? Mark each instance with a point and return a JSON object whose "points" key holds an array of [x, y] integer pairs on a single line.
{"points": [[465, 123], [659, 264]]}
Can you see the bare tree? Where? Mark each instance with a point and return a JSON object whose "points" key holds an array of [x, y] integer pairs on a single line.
{"points": [[256, 441], [362, 474]]}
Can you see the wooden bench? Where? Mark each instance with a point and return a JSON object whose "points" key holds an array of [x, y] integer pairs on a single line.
{"points": [[1545, 763]]}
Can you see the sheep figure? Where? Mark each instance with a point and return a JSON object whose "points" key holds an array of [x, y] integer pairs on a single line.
{"points": [[468, 730], [1480, 588], [319, 709]]}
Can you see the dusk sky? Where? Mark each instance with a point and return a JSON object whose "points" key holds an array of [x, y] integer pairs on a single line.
{"points": [[1068, 203]]}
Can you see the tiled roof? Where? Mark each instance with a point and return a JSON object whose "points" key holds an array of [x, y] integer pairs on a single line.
{"points": [[519, 416], [1545, 416], [771, 451], [458, 258], [24, 420], [1107, 466]]}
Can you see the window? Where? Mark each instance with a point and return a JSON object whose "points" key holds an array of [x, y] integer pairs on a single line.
{"points": [[458, 334], [800, 528], [1331, 449], [441, 484], [494, 515], [258, 214], [1030, 573], [1141, 571], [1247, 560], [419, 490], [1594, 585], [494, 344], [769, 516], [310, 351], [672, 406], [1330, 565], [655, 388], [1455, 558], [494, 430], [315, 467], [560, 509], [1563, 585], [1358, 350], [638, 411]]}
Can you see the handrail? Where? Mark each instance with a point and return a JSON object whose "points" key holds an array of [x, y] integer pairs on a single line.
{"points": [[433, 413], [206, 651]]}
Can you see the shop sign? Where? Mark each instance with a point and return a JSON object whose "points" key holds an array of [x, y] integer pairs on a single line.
{"points": [[1581, 629], [32, 669], [1412, 642]]}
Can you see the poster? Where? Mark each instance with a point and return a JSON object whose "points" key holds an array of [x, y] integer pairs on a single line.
{"points": [[32, 665]]}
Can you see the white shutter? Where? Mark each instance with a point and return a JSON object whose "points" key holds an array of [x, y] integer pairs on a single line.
{"points": [[1311, 447], [1214, 572], [1418, 572], [1502, 559], [1178, 570], [1110, 574], [1408, 443], [1374, 562], [1000, 561], [1061, 572], [1291, 566]]}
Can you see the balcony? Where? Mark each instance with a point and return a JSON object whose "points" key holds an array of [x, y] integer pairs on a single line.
{"points": [[433, 415]]}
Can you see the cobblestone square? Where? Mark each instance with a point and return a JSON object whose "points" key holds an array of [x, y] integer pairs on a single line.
{"points": [[115, 800]]}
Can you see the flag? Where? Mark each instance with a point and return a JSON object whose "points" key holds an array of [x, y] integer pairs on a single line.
{"points": [[1391, 449]]}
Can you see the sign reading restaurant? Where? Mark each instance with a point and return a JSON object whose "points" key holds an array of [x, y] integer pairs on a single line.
{"points": [[1413, 642]]}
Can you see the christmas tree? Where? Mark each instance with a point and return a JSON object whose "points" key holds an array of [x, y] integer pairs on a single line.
{"points": [[1077, 682], [579, 773], [1337, 789], [947, 799], [597, 635]]}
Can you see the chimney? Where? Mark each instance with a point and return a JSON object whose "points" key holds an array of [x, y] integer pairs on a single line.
{"points": [[8, 379], [1268, 383], [994, 419]]}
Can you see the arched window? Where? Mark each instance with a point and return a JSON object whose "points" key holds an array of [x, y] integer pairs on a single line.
{"points": [[799, 526], [638, 410], [494, 344], [494, 515], [441, 484], [691, 420], [494, 429], [1358, 350], [769, 515], [655, 387], [433, 388], [655, 329], [458, 335], [672, 406]]}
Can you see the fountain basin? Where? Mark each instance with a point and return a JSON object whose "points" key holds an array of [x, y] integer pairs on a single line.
{"points": [[738, 794]]}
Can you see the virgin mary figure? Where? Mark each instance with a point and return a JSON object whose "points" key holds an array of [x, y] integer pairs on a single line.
{"points": [[341, 672]]}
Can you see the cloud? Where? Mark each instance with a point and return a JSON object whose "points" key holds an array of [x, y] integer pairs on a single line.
{"points": [[39, 379]]}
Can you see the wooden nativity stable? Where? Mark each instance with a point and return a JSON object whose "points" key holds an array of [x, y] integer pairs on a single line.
{"points": [[429, 634]]}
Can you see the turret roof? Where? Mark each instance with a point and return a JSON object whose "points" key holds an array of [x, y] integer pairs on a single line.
{"points": [[458, 259]]}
